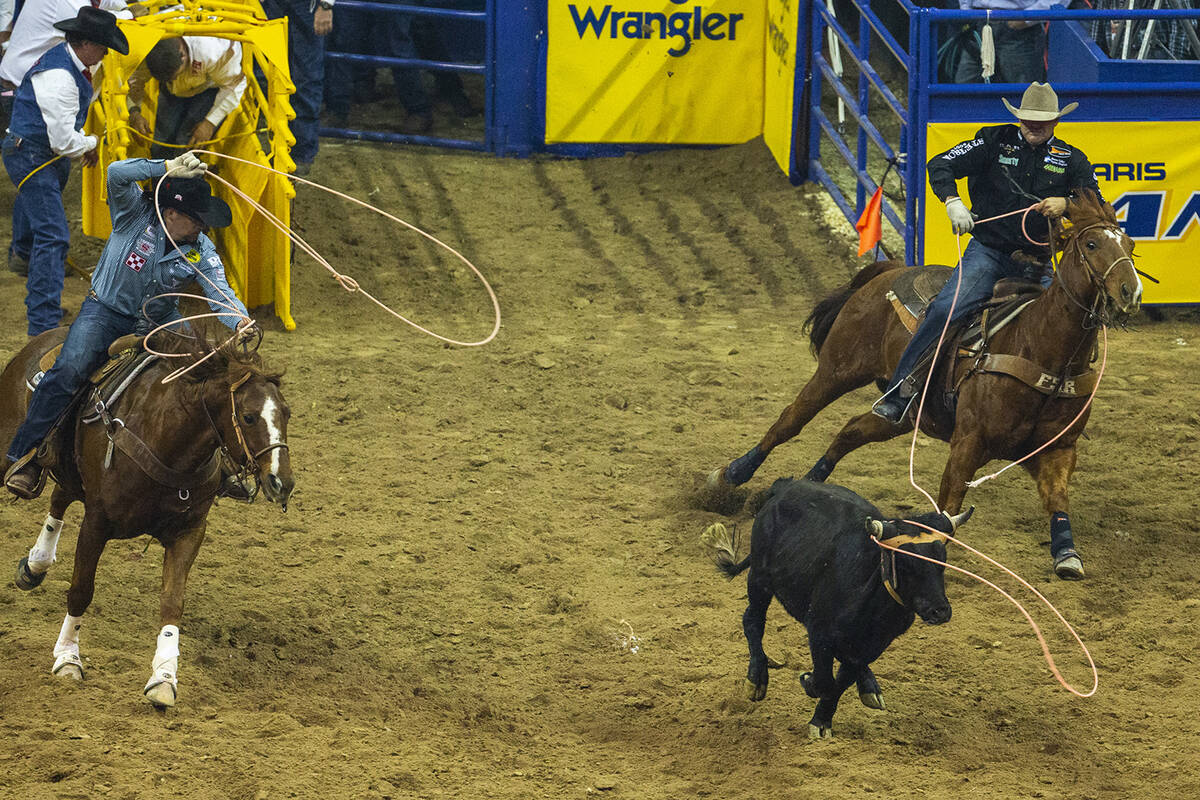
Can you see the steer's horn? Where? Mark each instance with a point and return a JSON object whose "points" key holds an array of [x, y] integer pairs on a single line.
{"points": [[875, 528], [959, 519]]}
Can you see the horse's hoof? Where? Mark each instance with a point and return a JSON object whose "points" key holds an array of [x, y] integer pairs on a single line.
{"points": [[161, 694], [773, 663], [755, 691], [716, 479], [806, 681], [819, 732], [872, 700], [26, 578], [1068, 566], [68, 665]]}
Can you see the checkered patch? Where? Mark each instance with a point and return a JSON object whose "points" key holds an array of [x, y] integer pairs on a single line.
{"points": [[135, 262]]}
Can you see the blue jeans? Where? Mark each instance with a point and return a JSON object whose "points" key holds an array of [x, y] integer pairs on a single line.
{"points": [[39, 228], [94, 329], [981, 267], [306, 62], [174, 119]]}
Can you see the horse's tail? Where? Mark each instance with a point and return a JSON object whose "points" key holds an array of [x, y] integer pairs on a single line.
{"points": [[722, 548], [821, 319]]}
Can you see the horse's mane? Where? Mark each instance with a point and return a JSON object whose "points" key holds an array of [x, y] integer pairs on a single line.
{"points": [[1084, 209], [205, 336]]}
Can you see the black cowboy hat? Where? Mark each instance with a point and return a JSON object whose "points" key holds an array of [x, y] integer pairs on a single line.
{"points": [[96, 25], [192, 196]]}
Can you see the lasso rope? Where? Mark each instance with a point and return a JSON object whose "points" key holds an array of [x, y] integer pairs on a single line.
{"points": [[1037, 630], [345, 281], [348, 283]]}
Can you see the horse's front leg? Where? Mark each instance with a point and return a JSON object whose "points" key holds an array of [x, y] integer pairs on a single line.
{"points": [[180, 553], [1052, 470], [31, 570], [94, 533], [967, 455]]}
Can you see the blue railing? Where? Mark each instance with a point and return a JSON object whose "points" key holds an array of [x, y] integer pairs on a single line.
{"points": [[484, 69]]}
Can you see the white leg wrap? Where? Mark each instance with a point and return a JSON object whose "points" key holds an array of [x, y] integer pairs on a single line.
{"points": [[45, 550], [166, 658], [66, 649]]}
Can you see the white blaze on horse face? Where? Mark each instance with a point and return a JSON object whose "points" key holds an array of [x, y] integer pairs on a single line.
{"points": [[1120, 241], [272, 414]]}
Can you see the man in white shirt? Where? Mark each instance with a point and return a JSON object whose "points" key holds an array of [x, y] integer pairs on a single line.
{"points": [[34, 32], [200, 80], [45, 132]]}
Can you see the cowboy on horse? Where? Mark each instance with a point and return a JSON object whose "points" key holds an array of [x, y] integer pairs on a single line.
{"points": [[138, 264], [1007, 167]]}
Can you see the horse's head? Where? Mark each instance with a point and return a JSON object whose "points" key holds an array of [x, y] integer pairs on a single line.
{"points": [[1102, 254], [255, 432]]}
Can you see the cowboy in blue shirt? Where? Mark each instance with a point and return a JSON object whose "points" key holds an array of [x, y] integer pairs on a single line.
{"points": [[45, 132], [138, 266]]}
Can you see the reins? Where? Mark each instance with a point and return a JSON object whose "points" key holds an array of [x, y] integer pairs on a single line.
{"points": [[249, 466]]}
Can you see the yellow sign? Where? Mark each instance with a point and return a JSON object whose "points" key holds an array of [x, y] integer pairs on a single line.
{"points": [[683, 72], [779, 89], [1148, 171]]}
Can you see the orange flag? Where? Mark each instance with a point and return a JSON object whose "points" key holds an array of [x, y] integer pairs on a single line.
{"points": [[869, 224]]}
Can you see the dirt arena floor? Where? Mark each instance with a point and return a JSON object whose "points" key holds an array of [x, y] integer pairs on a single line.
{"points": [[489, 583]]}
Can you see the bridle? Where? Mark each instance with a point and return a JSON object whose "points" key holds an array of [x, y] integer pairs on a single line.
{"points": [[1098, 312], [248, 466]]}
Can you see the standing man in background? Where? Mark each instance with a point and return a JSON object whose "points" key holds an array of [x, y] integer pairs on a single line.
{"points": [[45, 132], [200, 80], [308, 23], [35, 31], [1020, 45]]}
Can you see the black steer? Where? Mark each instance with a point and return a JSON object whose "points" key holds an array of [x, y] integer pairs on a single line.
{"points": [[811, 548]]}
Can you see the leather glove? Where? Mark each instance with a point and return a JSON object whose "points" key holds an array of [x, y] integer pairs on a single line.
{"points": [[960, 218], [186, 166]]}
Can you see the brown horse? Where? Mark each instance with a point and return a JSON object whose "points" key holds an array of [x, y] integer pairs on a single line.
{"points": [[150, 465], [858, 338]]}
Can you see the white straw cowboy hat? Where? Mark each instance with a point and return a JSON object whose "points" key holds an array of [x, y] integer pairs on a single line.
{"points": [[1039, 104]]}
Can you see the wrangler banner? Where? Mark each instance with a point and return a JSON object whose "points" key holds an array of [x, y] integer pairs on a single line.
{"points": [[649, 71], [779, 89], [1148, 171]]}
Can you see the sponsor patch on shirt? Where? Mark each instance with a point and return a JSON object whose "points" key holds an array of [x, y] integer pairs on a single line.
{"points": [[1058, 162], [135, 262], [1054, 168], [1009, 160], [214, 261], [192, 256], [1059, 151], [962, 149], [144, 247]]}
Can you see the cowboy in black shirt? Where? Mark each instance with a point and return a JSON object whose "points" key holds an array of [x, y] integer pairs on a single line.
{"points": [[1008, 168]]}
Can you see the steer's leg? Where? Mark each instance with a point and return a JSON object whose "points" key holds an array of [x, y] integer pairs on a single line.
{"points": [[180, 553], [868, 689], [1052, 470], [754, 622], [822, 684]]}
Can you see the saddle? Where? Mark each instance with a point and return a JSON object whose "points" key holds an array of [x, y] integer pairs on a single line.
{"points": [[126, 361], [910, 295]]}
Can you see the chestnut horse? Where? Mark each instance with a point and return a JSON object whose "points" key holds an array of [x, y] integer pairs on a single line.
{"points": [[149, 465], [858, 338]]}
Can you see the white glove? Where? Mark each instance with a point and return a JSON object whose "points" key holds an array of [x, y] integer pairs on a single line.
{"points": [[960, 218], [186, 166]]}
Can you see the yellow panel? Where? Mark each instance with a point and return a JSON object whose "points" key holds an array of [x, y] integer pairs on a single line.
{"points": [[780, 81], [665, 72]]}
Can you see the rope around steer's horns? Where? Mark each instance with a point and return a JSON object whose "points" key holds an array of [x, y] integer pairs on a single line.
{"points": [[876, 528]]}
